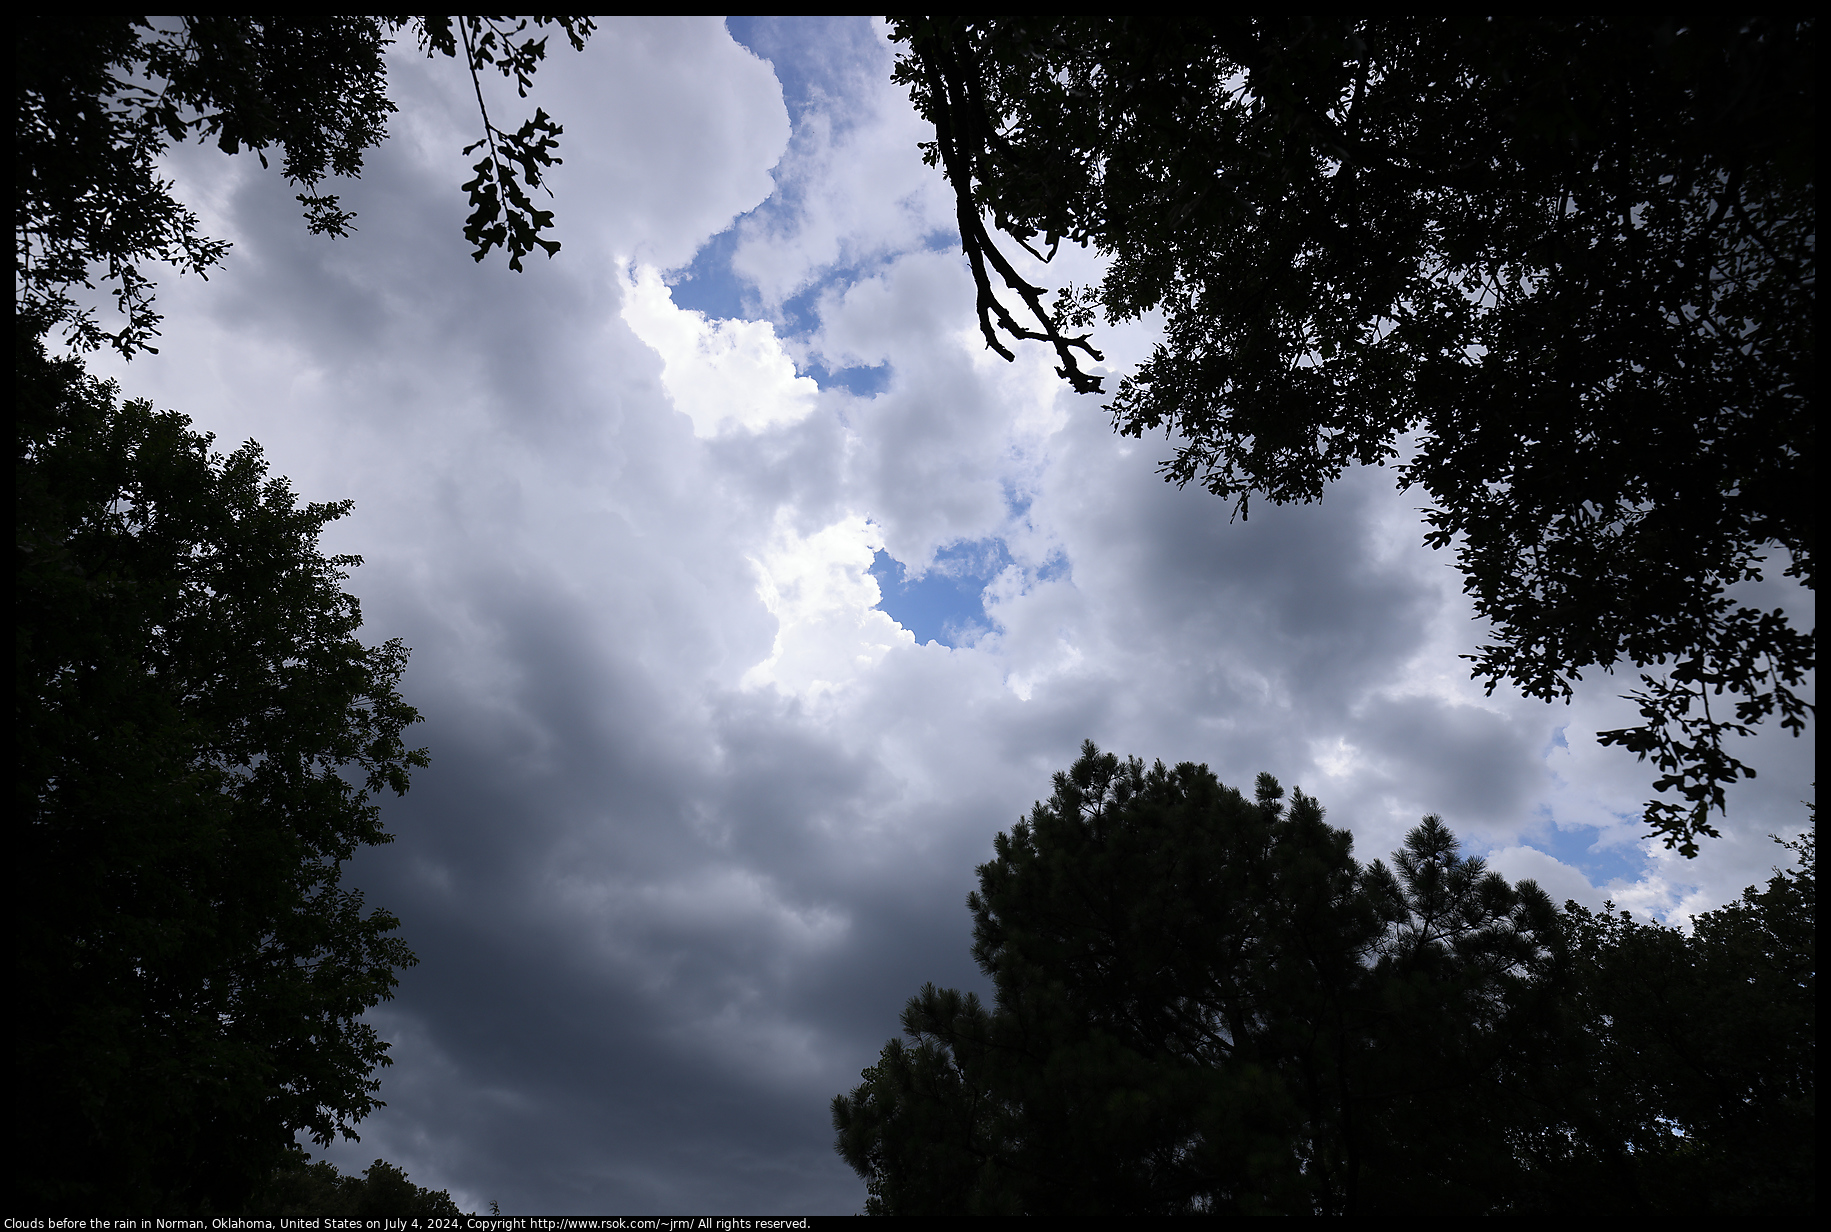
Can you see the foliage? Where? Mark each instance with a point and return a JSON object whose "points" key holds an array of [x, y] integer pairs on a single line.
{"points": [[1561, 272], [1689, 1084], [102, 97], [1205, 1005], [502, 215], [304, 1190], [199, 735]]}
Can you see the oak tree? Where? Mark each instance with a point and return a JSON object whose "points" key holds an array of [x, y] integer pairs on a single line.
{"points": [[101, 98], [199, 738], [1559, 272]]}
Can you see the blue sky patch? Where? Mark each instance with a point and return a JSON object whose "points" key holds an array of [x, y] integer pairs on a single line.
{"points": [[1601, 866], [708, 285], [947, 603], [859, 382], [814, 57]]}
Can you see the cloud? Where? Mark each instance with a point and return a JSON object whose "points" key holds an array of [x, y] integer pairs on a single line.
{"points": [[721, 374], [1558, 879], [672, 130], [820, 589], [852, 191]]}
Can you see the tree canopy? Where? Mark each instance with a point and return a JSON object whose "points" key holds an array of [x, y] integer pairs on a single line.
{"points": [[300, 1189], [199, 738], [1560, 272], [1687, 1077], [100, 98], [1204, 1004]]}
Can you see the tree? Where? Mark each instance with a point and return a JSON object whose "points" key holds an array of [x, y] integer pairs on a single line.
{"points": [[300, 1189], [199, 735], [200, 731], [1688, 1079], [101, 98], [1205, 1005], [1560, 272]]}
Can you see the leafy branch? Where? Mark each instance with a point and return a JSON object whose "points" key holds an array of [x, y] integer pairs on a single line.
{"points": [[1742, 653], [502, 214], [955, 103], [101, 98]]}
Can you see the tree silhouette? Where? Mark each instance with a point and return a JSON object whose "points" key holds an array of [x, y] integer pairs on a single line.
{"points": [[1561, 273], [100, 98], [1688, 1078], [1205, 1005], [300, 1189], [200, 732], [199, 735]]}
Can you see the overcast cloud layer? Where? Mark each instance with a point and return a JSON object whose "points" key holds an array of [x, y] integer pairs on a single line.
{"points": [[662, 519]]}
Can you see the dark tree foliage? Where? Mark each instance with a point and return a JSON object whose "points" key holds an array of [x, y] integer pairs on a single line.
{"points": [[1204, 1004], [303, 1190], [100, 98], [1689, 1082], [1561, 272], [198, 736]]}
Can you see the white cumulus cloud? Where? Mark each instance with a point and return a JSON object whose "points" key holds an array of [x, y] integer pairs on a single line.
{"points": [[824, 599], [721, 374]]}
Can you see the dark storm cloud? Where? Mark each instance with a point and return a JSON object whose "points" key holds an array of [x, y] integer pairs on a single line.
{"points": [[1472, 761]]}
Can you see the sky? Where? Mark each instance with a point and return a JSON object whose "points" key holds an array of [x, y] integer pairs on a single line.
{"points": [[750, 596]]}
